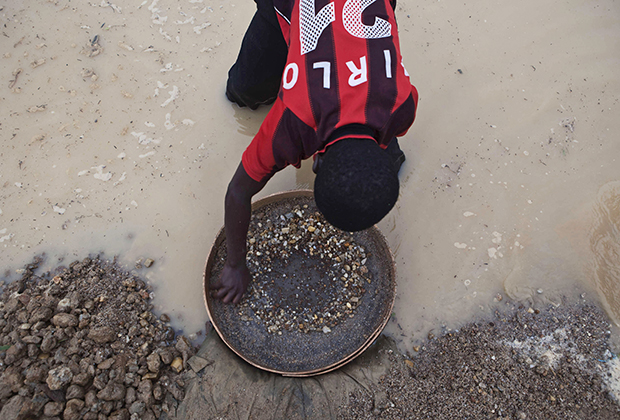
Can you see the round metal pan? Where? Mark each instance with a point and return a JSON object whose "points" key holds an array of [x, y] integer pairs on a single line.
{"points": [[295, 353]]}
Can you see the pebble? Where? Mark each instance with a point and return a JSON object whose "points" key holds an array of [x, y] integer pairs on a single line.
{"points": [[113, 391], [59, 377], [75, 391], [73, 409], [197, 363], [177, 364], [53, 408], [48, 344], [101, 335], [41, 314], [64, 320], [153, 362], [138, 407]]}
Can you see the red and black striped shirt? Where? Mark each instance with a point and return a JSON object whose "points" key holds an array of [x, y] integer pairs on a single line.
{"points": [[343, 67]]}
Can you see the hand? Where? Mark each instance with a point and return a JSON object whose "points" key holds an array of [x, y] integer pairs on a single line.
{"points": [[232, 283]]}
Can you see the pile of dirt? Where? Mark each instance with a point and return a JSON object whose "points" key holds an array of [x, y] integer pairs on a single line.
{"points": [[83, 343], [553, 363]]}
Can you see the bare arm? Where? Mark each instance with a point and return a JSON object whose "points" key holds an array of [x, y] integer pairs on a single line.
{"points": [[235, 276]]}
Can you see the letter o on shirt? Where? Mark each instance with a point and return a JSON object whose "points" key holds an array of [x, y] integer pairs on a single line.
{"points": [[289, 81]]}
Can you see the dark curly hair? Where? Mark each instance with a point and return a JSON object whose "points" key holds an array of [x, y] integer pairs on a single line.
{"points": [[356, 184]]}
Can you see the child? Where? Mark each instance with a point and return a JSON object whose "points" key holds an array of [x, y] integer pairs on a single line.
{"points": [[334, 70]]}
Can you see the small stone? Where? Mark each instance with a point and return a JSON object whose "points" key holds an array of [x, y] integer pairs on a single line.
{"points": [[102, 335], [138, 407], [12, 305], [12, 408], [59, 377], [75, 391], [122, 414], [183, 346], [164, 318], [158, 392], [197, 363], [53, 408], [166, 356], [176, 392], [153, 362], [31, 339], [177, 364], [81, 379], [91, 398], [130, 395], [48, 344], [145, 392], [64, 305], [106, 364], [41, 314], [148, 262], [65, 320], [35, 374], [409, 363], [326, 329], [113, 391]]}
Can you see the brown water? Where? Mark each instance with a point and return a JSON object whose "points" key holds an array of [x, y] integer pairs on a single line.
{"points": [[511, 183]]}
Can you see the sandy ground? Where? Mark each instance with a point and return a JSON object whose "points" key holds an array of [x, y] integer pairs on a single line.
{"points": [[116, 138]]}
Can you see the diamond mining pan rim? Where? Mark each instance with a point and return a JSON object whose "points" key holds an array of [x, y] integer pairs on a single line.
{"points": [[219, 239]]}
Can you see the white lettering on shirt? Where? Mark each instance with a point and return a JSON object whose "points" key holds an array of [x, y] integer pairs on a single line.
{"points": [[388, 63], [358, 75], [326, 66], [288, 84], [352, 21], [312, 25], [403, 64]]}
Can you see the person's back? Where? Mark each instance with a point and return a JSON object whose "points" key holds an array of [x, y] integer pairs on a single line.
{"points": [[343, 97]]}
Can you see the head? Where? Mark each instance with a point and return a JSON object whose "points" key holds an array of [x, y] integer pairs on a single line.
{"points": [[356, 184]]}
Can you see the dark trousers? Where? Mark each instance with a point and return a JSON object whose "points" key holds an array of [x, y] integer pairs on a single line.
{"points": [[255, 77]]}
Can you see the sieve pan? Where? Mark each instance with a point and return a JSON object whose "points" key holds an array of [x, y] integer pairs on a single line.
{"points": [[297, 353]]}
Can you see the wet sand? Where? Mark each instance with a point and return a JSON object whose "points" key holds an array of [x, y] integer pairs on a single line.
{"points": [[117, 138]]}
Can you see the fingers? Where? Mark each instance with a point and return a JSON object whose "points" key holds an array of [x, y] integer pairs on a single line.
{"points": [[232, 294], [226, 294], [237, 298]]}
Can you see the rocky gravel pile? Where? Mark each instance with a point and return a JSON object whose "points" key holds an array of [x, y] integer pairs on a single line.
{"points": [[523, 364], [83, 343]]}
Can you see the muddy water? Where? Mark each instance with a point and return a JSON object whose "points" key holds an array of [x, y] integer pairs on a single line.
{"points": [[116, 138]]}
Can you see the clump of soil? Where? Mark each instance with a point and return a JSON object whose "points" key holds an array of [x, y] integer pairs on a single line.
{"points": [[83, 343], [523, 364]]}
